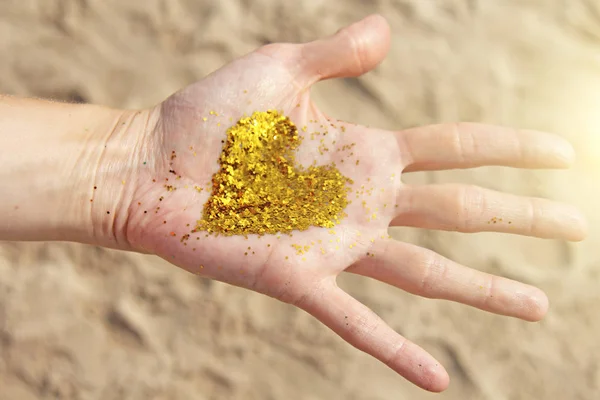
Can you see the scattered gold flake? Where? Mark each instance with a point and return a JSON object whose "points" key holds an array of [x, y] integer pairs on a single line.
{"points": [[300, 249]]}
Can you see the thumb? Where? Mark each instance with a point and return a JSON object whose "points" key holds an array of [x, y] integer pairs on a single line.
{"points": [[352, 51]]}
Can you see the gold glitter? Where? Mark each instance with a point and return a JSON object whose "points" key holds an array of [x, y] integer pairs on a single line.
{"points": [[300, 249], [260, 188]]}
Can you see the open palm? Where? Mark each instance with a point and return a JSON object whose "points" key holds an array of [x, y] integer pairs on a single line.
{"points": [[301, 268]]}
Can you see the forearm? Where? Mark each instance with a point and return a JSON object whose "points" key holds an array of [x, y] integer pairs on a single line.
{"points": [[53, 156]]}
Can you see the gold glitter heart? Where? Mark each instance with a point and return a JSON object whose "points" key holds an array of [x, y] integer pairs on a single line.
{"points": [[260, 188]]}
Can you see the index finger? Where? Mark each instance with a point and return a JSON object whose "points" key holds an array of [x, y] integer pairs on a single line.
{"points": [[469, 145]]}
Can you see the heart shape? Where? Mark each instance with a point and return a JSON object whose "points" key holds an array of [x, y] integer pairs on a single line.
{"points": [[260, 189]]}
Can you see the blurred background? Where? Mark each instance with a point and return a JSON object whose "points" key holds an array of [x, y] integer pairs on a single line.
{"points": [[79, 322]]}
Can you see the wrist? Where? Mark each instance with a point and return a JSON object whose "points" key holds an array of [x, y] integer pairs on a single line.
{"points": [[53, 155], [118, 164]]}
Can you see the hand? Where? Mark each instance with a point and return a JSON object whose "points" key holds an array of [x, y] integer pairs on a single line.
{"points": [[181, 154]]}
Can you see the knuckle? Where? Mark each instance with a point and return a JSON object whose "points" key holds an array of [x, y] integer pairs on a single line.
{"points": [[359, 51], [470, 206], [434, 270]]}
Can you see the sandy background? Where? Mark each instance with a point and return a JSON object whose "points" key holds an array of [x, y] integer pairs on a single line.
{"points": [[79, 322]]}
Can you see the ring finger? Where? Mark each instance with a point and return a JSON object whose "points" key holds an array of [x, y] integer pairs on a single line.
{"points": [[425, 273]]}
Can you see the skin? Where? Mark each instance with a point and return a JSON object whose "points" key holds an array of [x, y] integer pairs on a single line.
{"points": [[127, 155]]}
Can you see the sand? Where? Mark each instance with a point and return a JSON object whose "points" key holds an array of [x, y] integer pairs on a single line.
{"points": [[79, 322]]}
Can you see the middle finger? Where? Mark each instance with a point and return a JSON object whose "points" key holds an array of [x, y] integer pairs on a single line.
{"points": [[468, 208]]}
